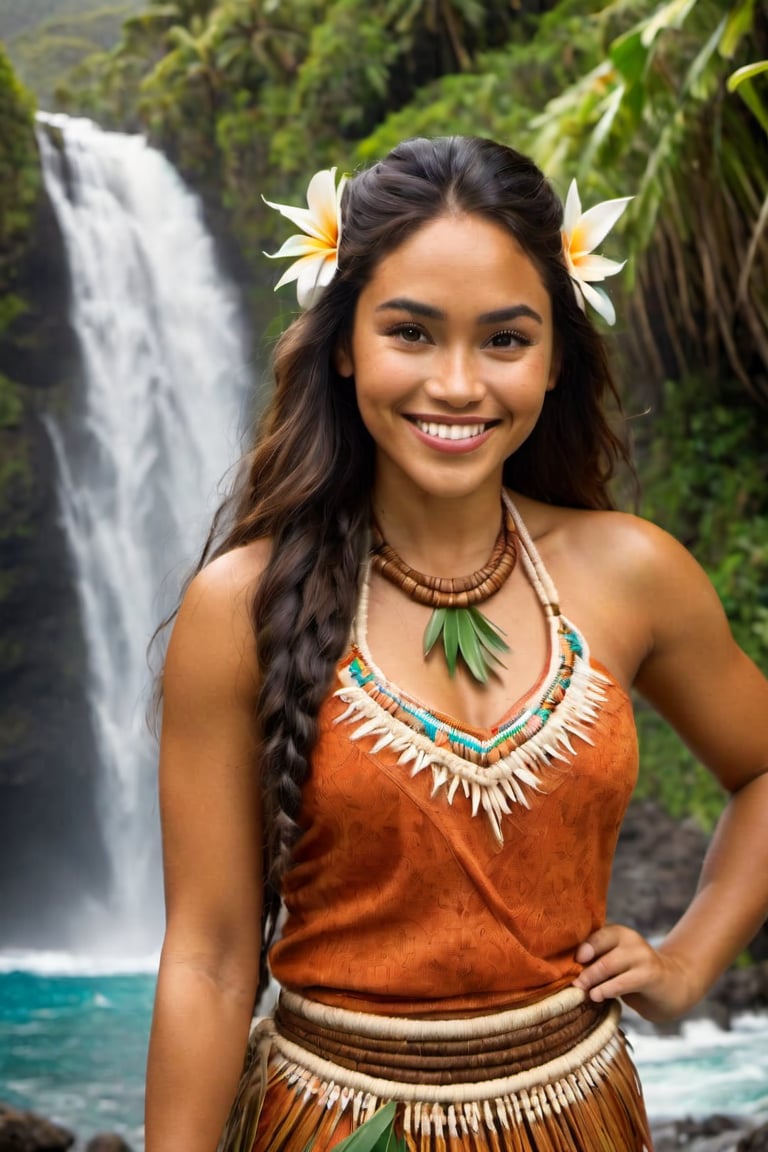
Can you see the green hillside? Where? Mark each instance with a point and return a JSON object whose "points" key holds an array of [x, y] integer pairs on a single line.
{"points": [[46, 39], [18, 16]]}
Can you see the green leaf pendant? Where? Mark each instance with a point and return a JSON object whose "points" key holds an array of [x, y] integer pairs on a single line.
{"points": [[468, 635]]}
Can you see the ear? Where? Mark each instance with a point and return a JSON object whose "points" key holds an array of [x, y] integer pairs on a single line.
{"points": [[342, 359]]}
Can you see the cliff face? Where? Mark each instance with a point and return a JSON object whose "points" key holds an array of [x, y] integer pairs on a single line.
{"points": [[49, 840]]}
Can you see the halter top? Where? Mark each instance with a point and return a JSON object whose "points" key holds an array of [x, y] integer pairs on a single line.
{"points": [[444, 869]]}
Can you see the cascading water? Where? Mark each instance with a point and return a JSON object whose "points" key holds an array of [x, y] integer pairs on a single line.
{"points": [[157, 426]]}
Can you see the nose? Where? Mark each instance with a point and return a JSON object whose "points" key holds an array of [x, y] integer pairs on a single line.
{"points": [[455, 380]]}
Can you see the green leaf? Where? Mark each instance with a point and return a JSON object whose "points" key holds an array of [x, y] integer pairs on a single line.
{"points": [[746, 73], [378, 1129], [740, 24], [750, 97], [489, 635], [629, 56], [433, 629], [469, 646], [451, 639]]}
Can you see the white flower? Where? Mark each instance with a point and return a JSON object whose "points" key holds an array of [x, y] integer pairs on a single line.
{"points": [[582, 232], [317, 249]]}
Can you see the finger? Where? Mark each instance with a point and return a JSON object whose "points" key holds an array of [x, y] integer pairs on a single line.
{"points": [[612, 964], [600, 941], [624, 984]]}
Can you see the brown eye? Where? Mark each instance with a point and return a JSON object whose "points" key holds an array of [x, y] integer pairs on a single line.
{"points": [[410, 333]]}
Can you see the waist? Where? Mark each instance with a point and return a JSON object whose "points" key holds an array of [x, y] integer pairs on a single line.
{"points": [[561, 1032]]}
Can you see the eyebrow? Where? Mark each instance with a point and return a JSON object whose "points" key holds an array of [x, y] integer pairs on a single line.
{"points": [[499, 316]]}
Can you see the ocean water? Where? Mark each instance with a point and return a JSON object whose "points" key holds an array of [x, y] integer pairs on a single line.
{"points": [[73, 1040]]}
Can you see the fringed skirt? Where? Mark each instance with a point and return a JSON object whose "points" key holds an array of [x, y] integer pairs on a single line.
{"points": [[552, 1077]]}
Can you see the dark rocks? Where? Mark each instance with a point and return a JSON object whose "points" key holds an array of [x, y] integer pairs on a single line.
{"points": [[714, 1134], [107, 1142], [656, 869], [22, 1131], [756, 1141], [28, 1132], [744, 989]]}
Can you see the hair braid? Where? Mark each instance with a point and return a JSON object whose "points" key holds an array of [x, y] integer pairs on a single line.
{"points": [[302, 615]]}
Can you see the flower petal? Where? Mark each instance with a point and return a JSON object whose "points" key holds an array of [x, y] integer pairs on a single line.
{"points": [[599, 300], [572, 209], [597, 222], [323, 204], [298, 246], [315, 273], [593, 267], [301, 217]]}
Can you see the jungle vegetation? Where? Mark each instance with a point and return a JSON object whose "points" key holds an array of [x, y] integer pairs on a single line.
{"points": [[19, 191], [664, 100]]}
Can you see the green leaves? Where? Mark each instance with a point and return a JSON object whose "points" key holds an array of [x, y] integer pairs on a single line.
{"points": [[467, 634], [375, 1135]]}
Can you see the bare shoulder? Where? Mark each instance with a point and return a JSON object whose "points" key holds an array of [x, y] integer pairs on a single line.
{"points": [[212, 640], [619, 548]]}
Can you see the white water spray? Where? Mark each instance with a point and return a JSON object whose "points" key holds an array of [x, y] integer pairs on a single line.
{"points": [[165, 381]]}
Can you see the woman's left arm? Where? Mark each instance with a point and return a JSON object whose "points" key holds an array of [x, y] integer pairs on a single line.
{"points": [[698, 678]]}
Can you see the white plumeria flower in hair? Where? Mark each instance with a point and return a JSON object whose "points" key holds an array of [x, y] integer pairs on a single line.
{"points": [[317, 250], [582, 232]]}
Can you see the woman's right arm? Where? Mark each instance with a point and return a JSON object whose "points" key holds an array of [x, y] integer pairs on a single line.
{"points": [[210, 814]]}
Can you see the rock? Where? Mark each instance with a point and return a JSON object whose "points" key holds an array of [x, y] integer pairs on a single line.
{"points": [[107, 1142], [743, 989], [713, 1134], [28, 1132], [655, 870], [756, 1141]]}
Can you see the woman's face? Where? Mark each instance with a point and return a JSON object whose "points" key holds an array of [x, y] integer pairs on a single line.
{"points": [[452, 355]]}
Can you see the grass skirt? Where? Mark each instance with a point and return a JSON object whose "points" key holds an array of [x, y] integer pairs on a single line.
{"points": [[551, 1077]]}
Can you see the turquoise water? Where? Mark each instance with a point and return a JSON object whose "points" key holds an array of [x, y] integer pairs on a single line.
{"points": [[73, 1046]]}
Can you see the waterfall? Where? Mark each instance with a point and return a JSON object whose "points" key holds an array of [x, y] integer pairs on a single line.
{"points": [[165, 381]]}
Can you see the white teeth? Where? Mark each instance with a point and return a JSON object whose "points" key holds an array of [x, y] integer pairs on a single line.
{"points": [[451, 431]]}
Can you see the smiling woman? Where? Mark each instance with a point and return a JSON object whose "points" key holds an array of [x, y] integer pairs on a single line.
{"points": [[433, 824]]}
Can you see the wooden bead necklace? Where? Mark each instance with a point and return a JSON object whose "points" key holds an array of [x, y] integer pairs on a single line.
{"points": [[466, 633]]}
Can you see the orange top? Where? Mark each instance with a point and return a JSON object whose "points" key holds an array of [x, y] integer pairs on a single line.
{"points": [[401, 901]]}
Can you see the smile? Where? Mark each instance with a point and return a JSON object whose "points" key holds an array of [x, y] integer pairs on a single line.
{"points": [[451, 431]]}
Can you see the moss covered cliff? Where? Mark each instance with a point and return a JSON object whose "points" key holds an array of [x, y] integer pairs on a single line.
{"points": [[46, 745]]}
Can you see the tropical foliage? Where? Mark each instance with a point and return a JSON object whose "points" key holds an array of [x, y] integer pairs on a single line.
{"points": [[19, 190]]}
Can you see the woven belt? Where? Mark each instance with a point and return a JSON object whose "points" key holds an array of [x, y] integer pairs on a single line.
{"points": [[436, 1058], [478, 1054]]}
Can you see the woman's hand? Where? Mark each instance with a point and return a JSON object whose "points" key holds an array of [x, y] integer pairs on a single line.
{"points": [[619, 962]]}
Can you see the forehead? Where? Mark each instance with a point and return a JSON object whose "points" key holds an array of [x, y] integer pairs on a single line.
{"points": [[469, 255]]}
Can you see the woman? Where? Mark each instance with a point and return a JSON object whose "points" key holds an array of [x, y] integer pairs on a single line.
{"points": [[436, 771]]}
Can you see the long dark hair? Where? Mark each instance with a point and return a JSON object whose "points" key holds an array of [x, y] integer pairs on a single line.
{"points": [[306, 484]]}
